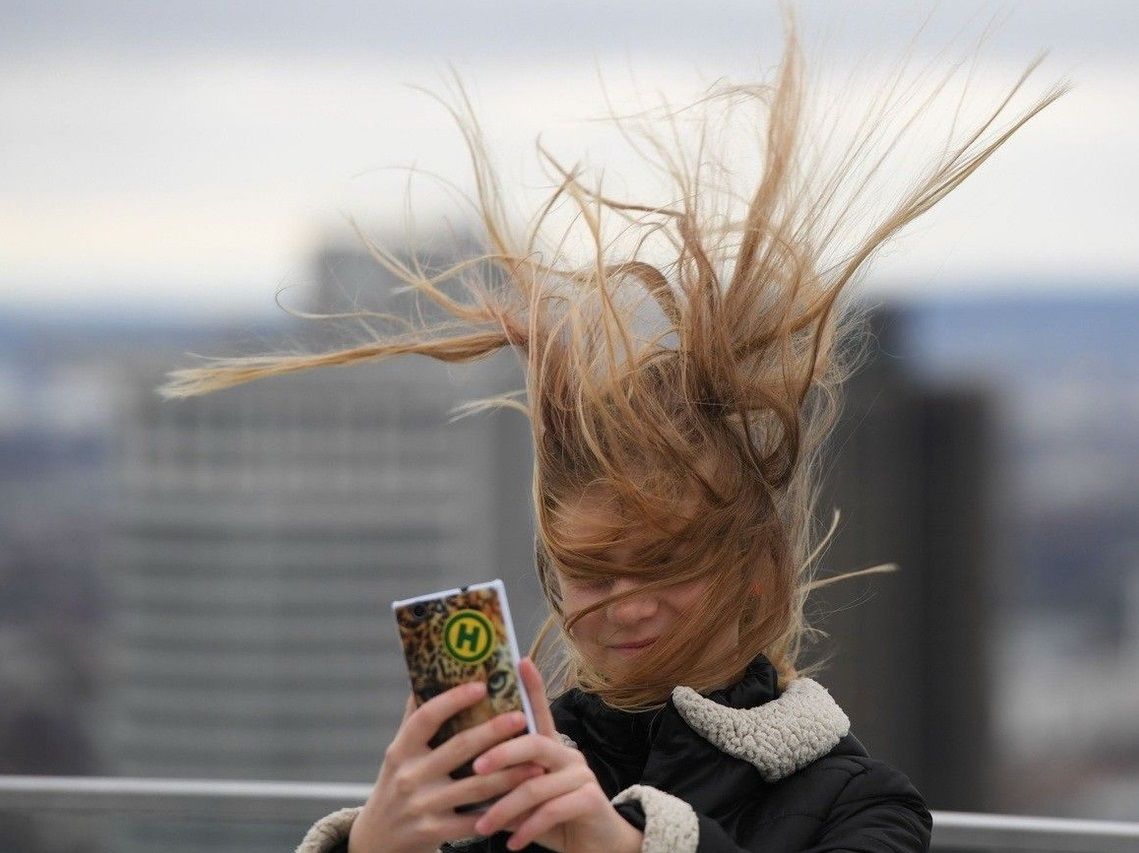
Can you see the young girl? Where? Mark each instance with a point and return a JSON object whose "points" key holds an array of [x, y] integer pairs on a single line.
{"points": [[678, 408]]}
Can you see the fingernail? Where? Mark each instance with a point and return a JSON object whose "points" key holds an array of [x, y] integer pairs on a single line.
{"points": [[476, 687]]}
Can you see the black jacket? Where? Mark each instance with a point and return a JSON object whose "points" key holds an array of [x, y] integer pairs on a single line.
{"points": [[738, 769]]}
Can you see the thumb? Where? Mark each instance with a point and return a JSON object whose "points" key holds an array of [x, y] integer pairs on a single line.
{"points": [[408, 708], [536, 691]]}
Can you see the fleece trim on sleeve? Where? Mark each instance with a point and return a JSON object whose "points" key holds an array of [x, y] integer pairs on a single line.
{"points": [[671, 826], [779, 737], [329, 831]]}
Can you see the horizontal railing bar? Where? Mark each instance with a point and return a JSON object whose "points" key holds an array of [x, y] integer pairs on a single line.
{"points": [[251, 800], [997, 832], [220, 799]]}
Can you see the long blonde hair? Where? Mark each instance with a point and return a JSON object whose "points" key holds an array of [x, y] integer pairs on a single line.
{"points": [[692, 395]]}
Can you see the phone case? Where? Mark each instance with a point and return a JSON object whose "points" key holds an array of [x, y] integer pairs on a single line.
{"points": [[460, 635]]}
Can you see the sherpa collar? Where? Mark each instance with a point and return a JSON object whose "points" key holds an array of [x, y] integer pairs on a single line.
{"points": [[777, 733], [781, 736]]}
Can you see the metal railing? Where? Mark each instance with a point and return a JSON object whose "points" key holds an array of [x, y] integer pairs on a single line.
{"points": [[250, 800]]}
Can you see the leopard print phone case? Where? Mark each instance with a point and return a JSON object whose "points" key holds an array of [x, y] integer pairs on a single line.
{"points": [[461, 635]]}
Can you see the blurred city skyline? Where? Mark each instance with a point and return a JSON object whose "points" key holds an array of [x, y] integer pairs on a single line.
{"points": [[190, 159], [989, 449]]}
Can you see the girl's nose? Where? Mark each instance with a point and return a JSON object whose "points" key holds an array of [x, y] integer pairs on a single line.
{"points": [[634, 608]]}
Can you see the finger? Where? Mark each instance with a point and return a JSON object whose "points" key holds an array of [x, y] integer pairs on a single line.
{"points": [[529, 795], [536, 691], [565, 808], [470, 743], [514, 825], [408, 707], [550, 753], [453, 825], [476, 789], [425, 720]]}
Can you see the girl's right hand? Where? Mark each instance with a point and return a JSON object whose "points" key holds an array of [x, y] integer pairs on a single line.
{"points": [[411, 807]]}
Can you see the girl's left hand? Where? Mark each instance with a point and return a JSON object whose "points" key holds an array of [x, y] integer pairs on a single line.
{"points": [[563, 809]]}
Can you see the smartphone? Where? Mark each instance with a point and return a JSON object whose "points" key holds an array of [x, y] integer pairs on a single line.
{"points": [[460, 635]]}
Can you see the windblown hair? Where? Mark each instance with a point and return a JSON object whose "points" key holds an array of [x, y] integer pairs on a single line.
{"points": [[691, 397]]}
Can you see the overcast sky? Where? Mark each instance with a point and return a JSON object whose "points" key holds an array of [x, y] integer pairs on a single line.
{"points": [[193, 156]]}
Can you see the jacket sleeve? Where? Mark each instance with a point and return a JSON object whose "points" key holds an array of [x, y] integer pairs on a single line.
{"points": [[330, 835], [878, 809]]}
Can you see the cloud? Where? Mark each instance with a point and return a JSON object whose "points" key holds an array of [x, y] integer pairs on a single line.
{"points": [[433, 29], [152, 171]]}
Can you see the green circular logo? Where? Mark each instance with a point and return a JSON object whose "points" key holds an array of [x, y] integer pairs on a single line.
{"points": [[468, 636]]}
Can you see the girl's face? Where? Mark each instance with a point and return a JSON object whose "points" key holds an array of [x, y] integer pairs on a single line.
{"points": [[607, 635]]}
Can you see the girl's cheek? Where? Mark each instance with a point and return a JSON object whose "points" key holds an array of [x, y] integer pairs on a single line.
{"points": [[589, 629]]}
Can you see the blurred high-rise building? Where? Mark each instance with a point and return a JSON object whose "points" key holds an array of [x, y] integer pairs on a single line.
{"points": [[910, 656], [259, 536]]}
